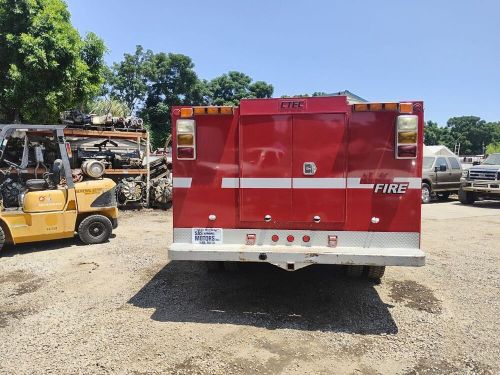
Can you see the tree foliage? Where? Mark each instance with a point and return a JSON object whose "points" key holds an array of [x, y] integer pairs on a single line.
{"points": [[472, 133], [151, 83], [45, 65], [230, 88], [127, 80]]}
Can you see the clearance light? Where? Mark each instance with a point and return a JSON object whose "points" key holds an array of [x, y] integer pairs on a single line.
{"points": [[406, 137], [306, 238], [290, 238], [275, 238], [361, 107], [186, 112], [186, 139], [391, 106], [406, 107], [213, 110], [376, 107]]}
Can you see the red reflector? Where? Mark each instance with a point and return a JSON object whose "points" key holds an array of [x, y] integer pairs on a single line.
{"points": [[251, 239], [332, 240], [407, 151], [185, 153], [306, 238], [275, 238], [290, 238]]}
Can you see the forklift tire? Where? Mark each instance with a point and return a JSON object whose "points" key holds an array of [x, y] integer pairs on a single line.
{"points": [[2, 238], [375, 272], [95, 229], [354, 271], [466, 197]]}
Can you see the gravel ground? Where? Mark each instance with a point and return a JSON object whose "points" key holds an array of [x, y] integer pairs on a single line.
{"points": [[121, 307]]}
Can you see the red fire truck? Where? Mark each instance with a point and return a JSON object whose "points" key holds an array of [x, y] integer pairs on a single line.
{"points": [[299, 181]]}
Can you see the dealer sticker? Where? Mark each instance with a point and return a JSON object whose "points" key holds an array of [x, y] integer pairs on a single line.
{"points": [[207, 236]]}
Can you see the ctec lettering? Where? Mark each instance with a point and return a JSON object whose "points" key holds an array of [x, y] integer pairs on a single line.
{"points": [[292, 105], [390, 188]]}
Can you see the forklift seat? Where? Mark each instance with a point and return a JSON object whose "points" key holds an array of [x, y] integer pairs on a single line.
{"points": [[36, 184]]}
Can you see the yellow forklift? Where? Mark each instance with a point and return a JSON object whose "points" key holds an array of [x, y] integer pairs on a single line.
{"points": [[38, 198]]}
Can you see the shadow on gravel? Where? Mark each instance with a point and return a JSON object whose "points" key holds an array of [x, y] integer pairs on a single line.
{"points": [[64, 244], [316, 298]]}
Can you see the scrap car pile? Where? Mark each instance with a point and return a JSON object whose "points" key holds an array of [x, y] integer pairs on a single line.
{"points": [[120, 147]]}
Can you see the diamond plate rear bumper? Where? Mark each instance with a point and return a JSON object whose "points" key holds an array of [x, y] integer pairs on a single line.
{"points": [[355, 248]]}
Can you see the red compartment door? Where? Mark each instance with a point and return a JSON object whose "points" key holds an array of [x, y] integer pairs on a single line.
{"points": [[319, 140], [266, 168]]}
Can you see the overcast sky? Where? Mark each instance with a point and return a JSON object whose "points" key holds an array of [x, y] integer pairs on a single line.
{"points": [[444, 52]]}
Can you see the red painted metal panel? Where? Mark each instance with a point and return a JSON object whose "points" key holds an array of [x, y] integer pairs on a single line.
{"points": [[321, 139], [217, 157], [325, 104], [265, 152], [371, 158]]}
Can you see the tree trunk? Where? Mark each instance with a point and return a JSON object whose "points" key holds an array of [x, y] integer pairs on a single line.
{"points": [[16, 116]]}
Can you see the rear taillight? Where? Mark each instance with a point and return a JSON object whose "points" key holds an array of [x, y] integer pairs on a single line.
{"points": [[186, 139], [406, 137]]}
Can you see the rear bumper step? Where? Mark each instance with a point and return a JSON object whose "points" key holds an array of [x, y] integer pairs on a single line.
{"points": [[299, 256]]}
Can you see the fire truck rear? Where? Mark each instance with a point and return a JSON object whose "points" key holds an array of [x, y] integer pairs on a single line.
{"points": [[299, 181]]}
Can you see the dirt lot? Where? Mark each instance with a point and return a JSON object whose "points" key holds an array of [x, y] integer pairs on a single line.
{"points": [[122, 308]]}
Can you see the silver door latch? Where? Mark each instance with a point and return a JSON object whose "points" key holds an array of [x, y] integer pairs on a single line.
{"points": [[309, 168]]}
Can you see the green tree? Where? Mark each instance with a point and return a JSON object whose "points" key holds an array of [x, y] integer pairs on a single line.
{"points": [[436, 135], [493, 148], [472, 133], [127, 80], [171, 81], [45, 65], [230, 88]]}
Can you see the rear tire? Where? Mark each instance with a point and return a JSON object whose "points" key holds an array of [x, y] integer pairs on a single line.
{"points": [[375, 272], [466, 197], [426, 193], [354, 271], [95, 229]]}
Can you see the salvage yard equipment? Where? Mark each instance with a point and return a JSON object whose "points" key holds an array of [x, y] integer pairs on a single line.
{"points": [[141, 178], [299, 181], [39, 199]]}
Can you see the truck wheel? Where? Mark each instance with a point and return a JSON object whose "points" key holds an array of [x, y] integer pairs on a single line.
{"points": [[444, 196], [426, 193], [354, 271], [375, 272], [466, 197], [95, 229]]}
